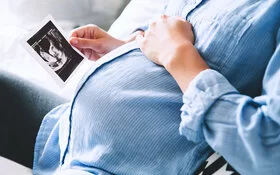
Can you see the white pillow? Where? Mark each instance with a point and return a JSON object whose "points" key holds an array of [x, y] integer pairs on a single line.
{"points": [[136, 14], [9, 167]]}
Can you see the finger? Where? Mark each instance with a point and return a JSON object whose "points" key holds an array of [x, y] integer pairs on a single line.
{"points": [[178, 18], [153, 24], [73, 41], [84, 43], [158, 21], [82, 31], [78, 32], [163, 16], [94, 56], [86, 52], [90, 54]]}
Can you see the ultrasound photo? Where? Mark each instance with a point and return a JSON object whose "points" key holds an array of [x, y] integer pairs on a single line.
{"points": [[56, 54]]}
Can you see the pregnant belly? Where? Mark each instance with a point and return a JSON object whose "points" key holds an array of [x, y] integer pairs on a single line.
{"points": [[126, 115]]}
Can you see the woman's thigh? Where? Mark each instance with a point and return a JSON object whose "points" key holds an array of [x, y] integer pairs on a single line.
{"points": [[22, 108]]}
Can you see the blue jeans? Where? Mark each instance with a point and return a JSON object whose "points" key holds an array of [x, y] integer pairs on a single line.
{"points": [[22, 108]]}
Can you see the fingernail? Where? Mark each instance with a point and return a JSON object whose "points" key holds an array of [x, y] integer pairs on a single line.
{"points": [[74, 41]]}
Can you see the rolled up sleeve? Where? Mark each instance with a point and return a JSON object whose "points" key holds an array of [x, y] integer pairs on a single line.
{"points": [[202, 93], [244, 130]]}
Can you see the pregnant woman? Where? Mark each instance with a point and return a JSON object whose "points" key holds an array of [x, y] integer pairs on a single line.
{"points": [[128, 116]]}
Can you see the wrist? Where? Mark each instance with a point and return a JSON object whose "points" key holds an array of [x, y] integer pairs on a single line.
{"points": [[184, 64], [174, 57]]}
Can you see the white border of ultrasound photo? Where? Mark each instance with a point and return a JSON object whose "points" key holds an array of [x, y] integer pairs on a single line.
{"points": [[56, 77]]}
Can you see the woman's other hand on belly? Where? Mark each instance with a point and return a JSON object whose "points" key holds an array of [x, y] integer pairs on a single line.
{"points": [[169, 42]]}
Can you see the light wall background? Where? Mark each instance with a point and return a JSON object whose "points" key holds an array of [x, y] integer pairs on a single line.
{"points": [[18, 17], [26, 12]]}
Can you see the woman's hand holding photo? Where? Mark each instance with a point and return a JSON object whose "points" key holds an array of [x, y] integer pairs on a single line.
{"points": [[94, 42]]}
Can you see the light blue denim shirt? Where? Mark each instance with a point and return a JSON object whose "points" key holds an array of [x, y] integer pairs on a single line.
{"points": [[125, 117]]}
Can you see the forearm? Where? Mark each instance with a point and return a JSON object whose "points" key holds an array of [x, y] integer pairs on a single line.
{"points": [[184, 63]]}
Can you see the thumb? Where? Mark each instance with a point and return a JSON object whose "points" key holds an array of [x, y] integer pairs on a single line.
{"points": [[84, 43]]}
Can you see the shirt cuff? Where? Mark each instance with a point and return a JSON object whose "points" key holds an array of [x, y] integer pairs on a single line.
{"points": [[204, 90]]}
